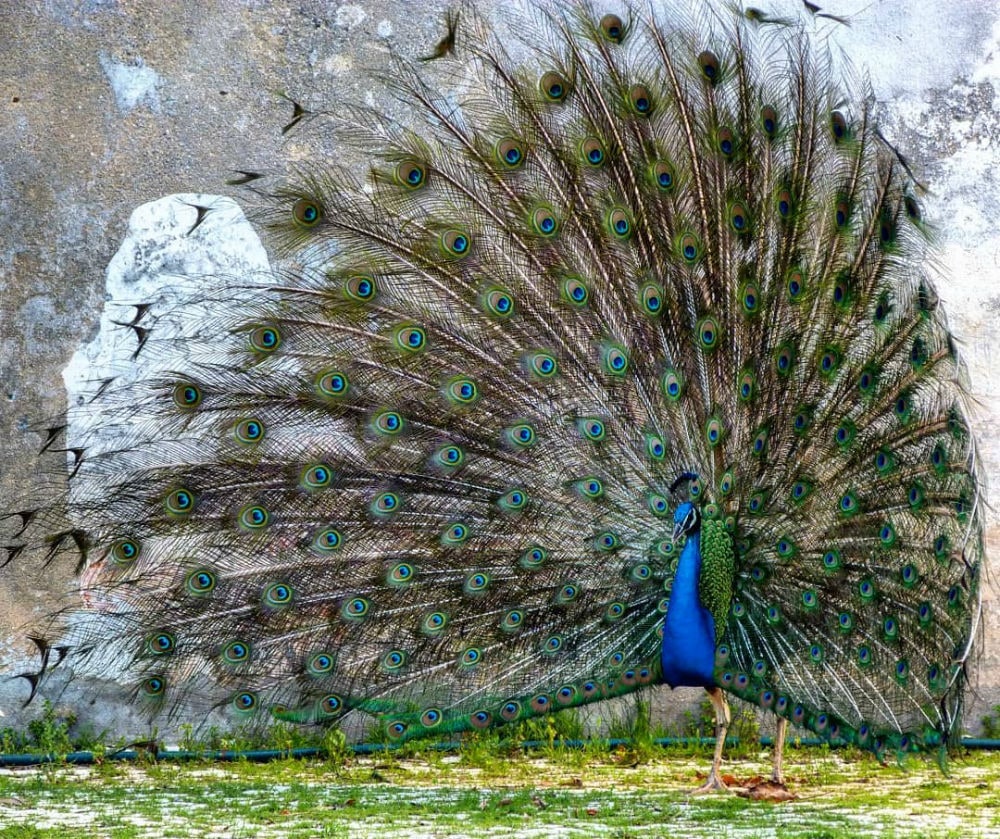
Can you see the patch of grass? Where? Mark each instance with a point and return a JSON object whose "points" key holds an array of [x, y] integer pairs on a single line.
{"points": [[841, 796]]}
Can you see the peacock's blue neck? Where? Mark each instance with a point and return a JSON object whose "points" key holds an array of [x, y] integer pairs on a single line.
{"points": [[688, 650]]}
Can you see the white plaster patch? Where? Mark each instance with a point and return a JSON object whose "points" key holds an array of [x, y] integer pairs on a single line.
{"points": [[384, 29], [133, 84], [350, 15], [337, 65], [163, 261]]}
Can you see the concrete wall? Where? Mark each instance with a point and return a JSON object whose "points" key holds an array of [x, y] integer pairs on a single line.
{"points": [[105, 105]]}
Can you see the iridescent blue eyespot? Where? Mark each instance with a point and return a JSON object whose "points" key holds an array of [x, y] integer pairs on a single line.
{"points": [[385, 504], [410, 339], [254, 517], [514, 500], [328, 539], [663, 175], [533, 557], [411, 174], [332, 384], [245, 701], [265, 339], [450, 456], [614, 611], [360, 288], [200, 582], [249, 431], [186, 396], [620, 224], [236, 652], [521, 435], [180, 502], [434, 623], [319, 664], [499, 303], [512, 620], [542, 365], [394, 660], [462, 391], [607, 541], [388, 423], [125, 551], [431, 717], [470, 657], [510, 152], [544, 222], [567, 593], [591, 487], [330, 705], [642, 102], [278, 595], [592, 428], [575, 292], [355, 608], [316, 477], [400, 574], [455, 534], [455, 242], [162, 643], [154, 686], [306, 212]]}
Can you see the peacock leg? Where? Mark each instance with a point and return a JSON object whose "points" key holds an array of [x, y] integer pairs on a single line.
{"points": [[778, 773], [714, 782]]}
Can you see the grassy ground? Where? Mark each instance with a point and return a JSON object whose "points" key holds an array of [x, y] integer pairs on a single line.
{"points": [[482, 792]]}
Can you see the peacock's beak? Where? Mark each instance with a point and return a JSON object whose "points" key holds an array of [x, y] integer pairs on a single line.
{"points": [[678, 530]]}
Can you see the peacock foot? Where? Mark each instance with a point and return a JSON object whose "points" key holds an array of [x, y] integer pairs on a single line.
{"points": [[713, 783]]}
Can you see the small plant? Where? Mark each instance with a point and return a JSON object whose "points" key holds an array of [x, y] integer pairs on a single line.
{"points": [[335, 748], [991, 724], [744, 727], [50, 732], [634, 726], [551, 729]]}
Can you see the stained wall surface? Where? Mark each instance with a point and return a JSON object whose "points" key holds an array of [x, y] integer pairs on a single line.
{"points": [[108, 104]]}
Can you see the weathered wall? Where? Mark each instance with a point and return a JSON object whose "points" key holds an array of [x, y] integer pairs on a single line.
{"points": [[105, 105]]}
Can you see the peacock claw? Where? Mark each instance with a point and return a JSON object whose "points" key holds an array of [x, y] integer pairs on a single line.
{"points": [[713, 783]]}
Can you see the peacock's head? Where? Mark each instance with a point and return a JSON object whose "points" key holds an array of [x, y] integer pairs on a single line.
{"points": [[687, 517], [687, 520]]}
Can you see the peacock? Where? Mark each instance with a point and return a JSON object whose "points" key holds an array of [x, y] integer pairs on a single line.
{"points": [[619, 363]]}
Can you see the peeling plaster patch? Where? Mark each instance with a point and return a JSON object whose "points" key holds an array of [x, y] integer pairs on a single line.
{"points": [[133, 84], [990, 68], [338, 65], [350, 15], [78, 12]]}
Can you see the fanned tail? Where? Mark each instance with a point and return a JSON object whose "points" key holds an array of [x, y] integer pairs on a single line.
{"points": [[425, 471]]}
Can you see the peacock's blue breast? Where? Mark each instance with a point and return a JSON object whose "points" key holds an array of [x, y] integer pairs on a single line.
{"points": [[688, 651]]}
